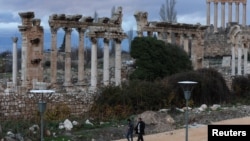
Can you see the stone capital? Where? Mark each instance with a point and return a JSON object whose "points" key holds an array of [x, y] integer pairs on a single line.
{"points": [[53, 30], [14, 39], [106, 40], [67, 30], [81, 30], [93, 40], [118, 40]]}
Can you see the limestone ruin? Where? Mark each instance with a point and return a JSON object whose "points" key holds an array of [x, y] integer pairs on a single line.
{"points": [[206, 43]]}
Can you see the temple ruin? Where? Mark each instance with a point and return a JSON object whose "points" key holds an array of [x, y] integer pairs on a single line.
{"points": [[32, 47], [224, 48], [223, 11], [175, 33]]}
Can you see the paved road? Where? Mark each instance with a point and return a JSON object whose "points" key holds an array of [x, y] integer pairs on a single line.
{"points": [[198, 133]]}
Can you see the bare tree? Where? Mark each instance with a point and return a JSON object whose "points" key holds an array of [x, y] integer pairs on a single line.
{"points": [[168, 12]]}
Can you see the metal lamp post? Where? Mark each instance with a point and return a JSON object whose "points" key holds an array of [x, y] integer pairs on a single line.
{"points": [[187, 87], [42, 106]]}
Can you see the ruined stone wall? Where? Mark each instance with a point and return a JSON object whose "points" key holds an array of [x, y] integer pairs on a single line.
{"points": [[26, 106], [216, 44]]}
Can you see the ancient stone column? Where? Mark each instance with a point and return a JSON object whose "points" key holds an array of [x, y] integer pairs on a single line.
{"points": [[150, 33], [177, 39], [245, 58], [81, 71], [24, 59], [93, 63], [182, 40], [24, 28], [169, 37], [230, 12], [118, 62], [14, 63], [237, 15], [239, 59], [160, 36], [67, 71], [53, 58], [233, 60], [194, 53], [244, 16], [208, 13], [223, 15], [215, 16], [186, 40], [139, 33], [106, 62]]}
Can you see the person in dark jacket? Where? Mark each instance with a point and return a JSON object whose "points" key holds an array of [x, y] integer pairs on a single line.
{"points": [[130, 130], [139, 129]]}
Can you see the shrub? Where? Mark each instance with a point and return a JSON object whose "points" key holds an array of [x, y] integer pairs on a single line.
{"points": [[241, 89], [211, 88], [240, 85], [57, 113]]}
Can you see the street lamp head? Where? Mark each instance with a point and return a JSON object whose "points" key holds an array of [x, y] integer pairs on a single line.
{"points": [[187, 87]]}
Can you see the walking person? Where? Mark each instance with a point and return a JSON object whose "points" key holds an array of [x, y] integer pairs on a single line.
{"points": [[130, 130], [139, 129]]}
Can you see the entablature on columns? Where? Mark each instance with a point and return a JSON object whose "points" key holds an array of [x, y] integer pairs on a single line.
{"points": [[106, 32], [228, 1], [78, 21], [108, 35], [143, 25], [181, 29], [78, 24], [102, 28]]}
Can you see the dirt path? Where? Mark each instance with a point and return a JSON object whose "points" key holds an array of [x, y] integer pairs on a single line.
{"points": [[194, 134]]}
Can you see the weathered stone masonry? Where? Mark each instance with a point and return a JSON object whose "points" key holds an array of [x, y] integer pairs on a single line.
{"points": [[25, 106], [176, 33], [105, 28], [17, 102], [32, 49]]}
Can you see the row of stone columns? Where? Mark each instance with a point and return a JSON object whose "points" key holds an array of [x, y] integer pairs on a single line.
{"points": [[183, 41], [230, 2], [180, 39], [94, 73], [237, 54]]}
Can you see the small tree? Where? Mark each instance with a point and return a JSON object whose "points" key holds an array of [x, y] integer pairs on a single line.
{"points": [[155, 60]]}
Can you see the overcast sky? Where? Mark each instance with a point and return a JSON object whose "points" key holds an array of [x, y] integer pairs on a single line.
{"points": [[188, 11]]}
